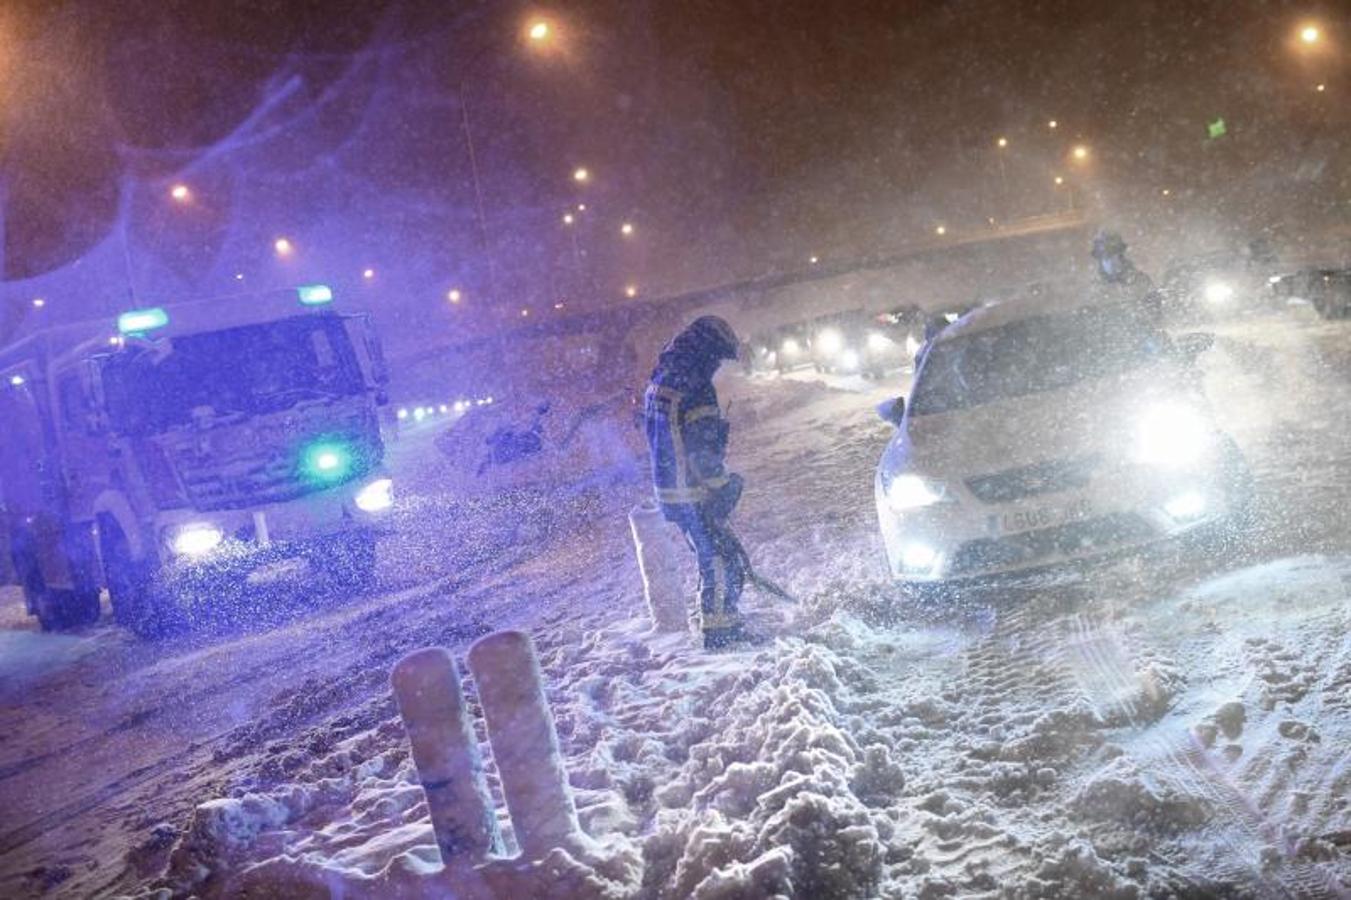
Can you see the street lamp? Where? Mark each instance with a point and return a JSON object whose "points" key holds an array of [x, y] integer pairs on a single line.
{"points": [[1310, 34], [283, 246], [38, 303], [539, 31], [1053, 124], [368, 274], [626, 229], [568, 219], [941, 230], [454, 295], [581, 175], [1080, 153], [1059, 180], [631, 291], [814, 260], [181, 193], [1002, 142]]}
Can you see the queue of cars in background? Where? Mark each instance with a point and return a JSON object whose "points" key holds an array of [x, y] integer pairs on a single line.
{"points": [[855, 342]]}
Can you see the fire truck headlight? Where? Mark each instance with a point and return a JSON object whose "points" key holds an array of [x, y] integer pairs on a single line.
{"points": [[375, 497], [196, 539]]}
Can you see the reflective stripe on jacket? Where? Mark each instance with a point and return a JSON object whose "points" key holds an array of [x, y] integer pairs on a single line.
{"points": [[687, 439]]}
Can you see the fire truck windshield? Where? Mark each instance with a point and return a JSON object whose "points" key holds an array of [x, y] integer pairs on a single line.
{"points": [[251, 370]]}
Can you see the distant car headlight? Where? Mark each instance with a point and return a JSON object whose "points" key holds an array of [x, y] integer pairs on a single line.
{"points": [[196, 539], [830, 342], [791, 346], [907, 492], [1171, 434], [1218, 292], [848, 359], [377, 496], [878, 342]]}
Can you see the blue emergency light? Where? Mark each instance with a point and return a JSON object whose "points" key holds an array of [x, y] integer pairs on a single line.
{"points": [[315, 294], [139, 321]]}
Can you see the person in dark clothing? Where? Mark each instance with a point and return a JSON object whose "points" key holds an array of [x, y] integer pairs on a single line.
{"points": [[687, 437], [1120, 278]]}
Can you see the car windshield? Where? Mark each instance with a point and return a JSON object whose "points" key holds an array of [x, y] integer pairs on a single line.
{"points": [[1040, 353], [252, 369]]}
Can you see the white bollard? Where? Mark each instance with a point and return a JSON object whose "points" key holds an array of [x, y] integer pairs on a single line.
{"points": [[663, 585], [427, 688], [524, 742]]}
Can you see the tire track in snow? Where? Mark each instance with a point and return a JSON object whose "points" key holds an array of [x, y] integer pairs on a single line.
{"points": [[1186, 763]]}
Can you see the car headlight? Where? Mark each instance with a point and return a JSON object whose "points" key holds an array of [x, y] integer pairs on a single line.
{"points": [[377, 496], [849, 359], [878, 342], [1171, 434], [1218, 292], [907, 492], [196, 539], [790, 346], [830, 342]]}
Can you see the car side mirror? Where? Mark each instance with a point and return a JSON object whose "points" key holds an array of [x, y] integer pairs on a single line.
{"points": [[892, 411], [1192, 345]]}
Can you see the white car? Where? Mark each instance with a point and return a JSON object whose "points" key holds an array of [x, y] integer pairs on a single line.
{"points": [[1048, 436]]}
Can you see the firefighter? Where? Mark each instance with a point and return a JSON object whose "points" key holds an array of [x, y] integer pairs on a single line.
{"points": [[687, 437]]}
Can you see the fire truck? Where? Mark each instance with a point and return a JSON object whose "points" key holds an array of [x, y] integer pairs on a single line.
{"points": [[180, 456]]}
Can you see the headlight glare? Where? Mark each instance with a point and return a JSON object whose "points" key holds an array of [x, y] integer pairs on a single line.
{"points": [[906, 492], [196, 539], [377, 496], [1218, 292], [830, 342], [1171, 435]]}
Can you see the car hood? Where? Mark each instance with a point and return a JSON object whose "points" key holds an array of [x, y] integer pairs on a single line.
{"points": [[1094, 417]]}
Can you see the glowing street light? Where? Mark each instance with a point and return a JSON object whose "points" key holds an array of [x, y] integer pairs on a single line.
{"points": [[539, 31], [1059, 180], [941, 230], [283, 246], [368, 274], [581, 207], [568, 218], [1321, 88], [1167, 192], [1053, 124], [38, 303], [626, 229], [581, 175], [1310, 34], [181, 193], [631, 291], [1002, 143], [814, 260], [1080, 153], [525, 314], [454, 295]]}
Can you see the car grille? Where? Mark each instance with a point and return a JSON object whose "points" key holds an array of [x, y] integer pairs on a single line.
{"points": [[1029, 481], [1030, 547]]}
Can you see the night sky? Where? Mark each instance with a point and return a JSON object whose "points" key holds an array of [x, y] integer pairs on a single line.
{"points": [[737, 137]]}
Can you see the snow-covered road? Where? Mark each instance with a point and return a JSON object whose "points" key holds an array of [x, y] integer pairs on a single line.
{"points": [[1173, 724]]}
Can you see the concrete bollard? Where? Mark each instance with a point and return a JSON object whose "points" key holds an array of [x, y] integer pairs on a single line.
{"points": [[427, 689], [524, 742], [662, 583]]}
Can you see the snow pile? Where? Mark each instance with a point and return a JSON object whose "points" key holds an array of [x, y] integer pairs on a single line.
{"points": [[552, 441]]}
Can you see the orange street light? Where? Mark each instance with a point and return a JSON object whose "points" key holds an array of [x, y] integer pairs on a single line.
{"points": [[181, 193], [626, 229], [283, 246], [538, 31], [1080, 153], [1002, 142], [941, 230], [631, 291], [581, 175]]}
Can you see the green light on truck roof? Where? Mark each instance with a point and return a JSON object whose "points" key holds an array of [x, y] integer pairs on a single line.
{"points": [[139, 321], [315, 294]]}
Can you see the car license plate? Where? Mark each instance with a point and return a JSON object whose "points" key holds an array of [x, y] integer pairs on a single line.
{"points": [[1040, 517]]}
